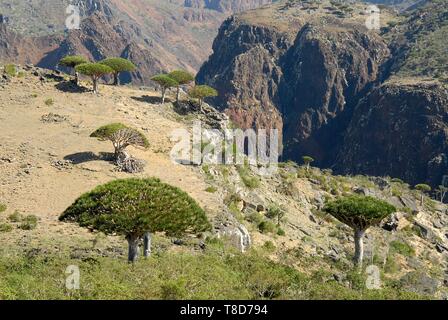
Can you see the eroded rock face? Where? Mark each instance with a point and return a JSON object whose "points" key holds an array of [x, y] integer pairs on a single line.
{"points": [[227, 5], [300, 80], [405, 129]]}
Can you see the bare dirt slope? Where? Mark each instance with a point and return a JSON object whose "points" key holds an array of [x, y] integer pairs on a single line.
{"points": [[36, 179]]}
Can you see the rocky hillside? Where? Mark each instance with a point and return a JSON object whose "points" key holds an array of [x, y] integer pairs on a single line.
{"points": [[41, 179], [316, 72], [156, 35]]}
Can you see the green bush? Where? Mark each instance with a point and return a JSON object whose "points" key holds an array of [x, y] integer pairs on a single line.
{"points": [[267, 227], [10, 70], [15, 217], [4, 227], [209, 275], [29, 223], [2, 207], [49, 102], [248, 180], [255, 218], [211, 189], [281, 232], [402, 248]]}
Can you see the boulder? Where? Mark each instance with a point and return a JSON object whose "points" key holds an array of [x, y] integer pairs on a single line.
{"points": [[236, 234]]}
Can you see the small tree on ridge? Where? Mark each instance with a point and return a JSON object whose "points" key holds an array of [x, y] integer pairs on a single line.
{"points": [[72, 62], [201, 92], [118, 65], [95, 71], [182, 77], [165, 82]]}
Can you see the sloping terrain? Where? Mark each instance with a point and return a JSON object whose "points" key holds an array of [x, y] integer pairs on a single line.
{"points": [[47, 160]]}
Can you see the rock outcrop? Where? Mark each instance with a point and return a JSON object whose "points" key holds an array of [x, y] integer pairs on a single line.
{"points": [[399, 129], [354, 99], [302, 72]]}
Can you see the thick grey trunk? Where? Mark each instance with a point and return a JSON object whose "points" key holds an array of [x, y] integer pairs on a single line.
{"points": [[116, 79], [133, 248], [359, 247], [421, 199], [95, 85], [77, 78], [163, 95], [178, 95], [147, 244]]}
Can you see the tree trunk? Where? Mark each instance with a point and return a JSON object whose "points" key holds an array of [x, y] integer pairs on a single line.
{"points": [[116, 79], [77, 78], [178, 95], [163, 95], [359, 247], [421, 199], [95, 85], [133, 248], [307, 167], [147, 244]]}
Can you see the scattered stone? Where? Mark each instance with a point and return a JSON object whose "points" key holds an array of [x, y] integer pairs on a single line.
{"points": [[62, 164], [53, 118]]}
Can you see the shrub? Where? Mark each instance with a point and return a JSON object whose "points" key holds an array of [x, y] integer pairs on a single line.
{"points": [[269, 246], [29, 223], [281, 232], [49, 102], [402, 248], [249, 181], [267, 227], [275, 212], [118, 65], [95, 71], [211, 189], [136, 207], [15, 217], [2, 207], [10, 70], [4, 227], [255, 218], [359, 212]]}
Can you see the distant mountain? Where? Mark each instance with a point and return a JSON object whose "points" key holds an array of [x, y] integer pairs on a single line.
{"points": [[158, 35], [356, 100]]}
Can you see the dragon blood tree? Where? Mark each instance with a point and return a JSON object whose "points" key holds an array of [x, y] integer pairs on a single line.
{"points": [[136, 208], [359, 213]]}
